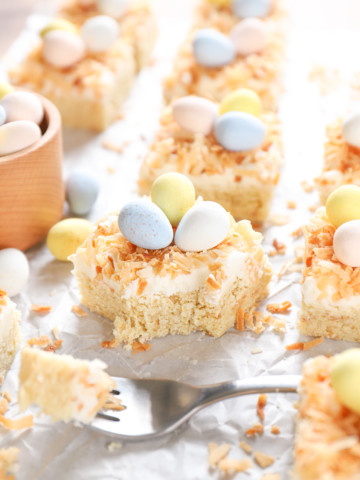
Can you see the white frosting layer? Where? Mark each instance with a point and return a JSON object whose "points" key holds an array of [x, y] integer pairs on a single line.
{"points": [[311, 294]]}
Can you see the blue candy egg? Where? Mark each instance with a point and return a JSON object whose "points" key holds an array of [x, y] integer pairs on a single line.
{"points": [[82, 190], [2, 115], [251, 8], [212, 49], [145, 225], [239, 131]]}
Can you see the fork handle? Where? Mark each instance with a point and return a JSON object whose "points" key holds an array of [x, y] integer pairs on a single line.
{"points": [[248, 386]]}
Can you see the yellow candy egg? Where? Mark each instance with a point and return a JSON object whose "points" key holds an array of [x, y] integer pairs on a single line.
{"points": [[241, 100], [343, 205], [65, 237], [345, 378], [5, 88], [174, 194], [220, 3], [58, 24]]}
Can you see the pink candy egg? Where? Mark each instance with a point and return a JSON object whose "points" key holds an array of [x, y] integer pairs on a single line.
{"points": [[22, 106], [195, 114], [62, 49], [17, 135], [249, 36]]}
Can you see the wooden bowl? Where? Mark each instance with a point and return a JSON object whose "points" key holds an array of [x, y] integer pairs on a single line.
{"points": [[31, 186]]}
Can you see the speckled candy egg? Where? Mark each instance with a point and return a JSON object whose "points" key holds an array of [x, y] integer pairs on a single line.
{"points": [[14, 271], [16, 136], [145, 225], [82, 190], [241, 100], [346, 243], [239, 131], [58, 24], [174, 193], [343, 205], [114, 8], [99, 33], [5, 88], [2, 115], [65, 237], [251, 8], [249, 36], [195, 114], [212, 48], [345, 378], [351, 129], [202, 227], [62, 49], [22, 106]]}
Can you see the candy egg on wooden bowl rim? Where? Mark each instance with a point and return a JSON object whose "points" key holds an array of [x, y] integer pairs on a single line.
{"points": [[18, 135], [251, 8], [20, 105], [99, 33], [62, 49], [351, 129], [249, 36], [114, 8], [145, 225], [204, 226], [196, 114], [31, 185], [14, 271], [212, 48], [343, 205]]}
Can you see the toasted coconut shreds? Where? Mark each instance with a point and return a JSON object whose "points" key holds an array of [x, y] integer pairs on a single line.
{"points": [[263, 460], [3, 405], [271, 476], [327, 432], [217, 453], [115, 258], [45, 343], [113, 403], [229, 465], [110, 343], [8, 457], [305, 345], [140, 347], [18, 423], [256, 429], [246, 447], [278, 307], [275, 429], [40, 308], [261, 406], [79, 311]]}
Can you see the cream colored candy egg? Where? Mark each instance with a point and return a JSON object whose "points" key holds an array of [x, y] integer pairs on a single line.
{"points": [[5, 88], [249, 36], [351, 129], [58, 24], [174, 193], [15, 136], [220, 3], [196, 114], [203, 226], [65, 237], [14, 271], [99, 33], [114, 8], [22, 106], [347, 243], [343, 205], [345, 378], [63, 49], [241, 100]]}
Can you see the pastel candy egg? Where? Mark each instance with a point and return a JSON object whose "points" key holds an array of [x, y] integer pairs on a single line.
{"points": [[114, 8], [351, 129], [239, 131], [66, 236], [251, 8], [241, 100], [82, 190], [15, 136], [145, 225], [99, 33], [202, 227], [2, 115], [58, 24], [249, 36], [346, 243], [62, 49], [174, 194], [212, 48], [5, 88], [345, 378], [220, 3], [14, 271], [22, 106], [195, 114], [343, 205]]}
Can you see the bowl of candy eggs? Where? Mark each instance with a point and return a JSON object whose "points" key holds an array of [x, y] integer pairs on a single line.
{"points": [[31, 185]]}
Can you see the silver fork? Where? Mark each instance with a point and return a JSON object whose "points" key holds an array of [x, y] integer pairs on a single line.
{"points": [[158, 407]]}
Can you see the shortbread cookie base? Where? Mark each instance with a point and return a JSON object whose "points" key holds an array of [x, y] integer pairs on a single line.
{"points": [[9, 344], [327, 443], [145, 317]]}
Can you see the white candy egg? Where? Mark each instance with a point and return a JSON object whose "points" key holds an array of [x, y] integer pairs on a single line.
{"points": [[22, 106], [62, 49], [249, 36], [14, 271], [15, 136], [2, 115], [346, 243], [351, 129], [99, 33], [114, 8], [195, 114], [203, 226]]}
